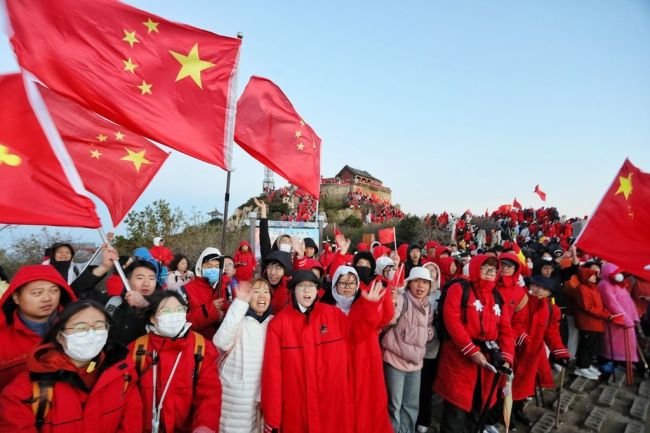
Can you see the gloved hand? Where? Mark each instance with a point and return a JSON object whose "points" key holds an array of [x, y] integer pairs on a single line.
{"points": [[564, 362], [269, 429]]}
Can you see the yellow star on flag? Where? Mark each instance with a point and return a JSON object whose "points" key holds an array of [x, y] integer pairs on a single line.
{"points": [[95, 154], [129, 65], [151, 25], [119, 136], [130, 37], [145, 87], [298, 134], [102, 137], [300, 146], [625, 185], [137, 158], [302, 123], [191, 65], [9, 158]]}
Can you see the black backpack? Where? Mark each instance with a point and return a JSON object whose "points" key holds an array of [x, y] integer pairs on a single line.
{"points": [[438, 321]]}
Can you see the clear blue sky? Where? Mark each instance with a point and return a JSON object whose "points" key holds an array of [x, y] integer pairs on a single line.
{"points": [[454, 105]]}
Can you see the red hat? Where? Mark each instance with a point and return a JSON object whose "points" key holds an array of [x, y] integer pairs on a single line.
{"points": [[362, 246]]}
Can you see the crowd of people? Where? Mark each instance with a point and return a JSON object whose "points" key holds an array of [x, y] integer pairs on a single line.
{"points": [[377, 210], [311, 337]]}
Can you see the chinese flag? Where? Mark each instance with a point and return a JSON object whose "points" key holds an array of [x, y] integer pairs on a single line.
{"points": [[619, 229], [516, 204], [272, 132], [505, 208], [386, 236], [36, 189], [114, 163], [540, 193], [166, 81]]}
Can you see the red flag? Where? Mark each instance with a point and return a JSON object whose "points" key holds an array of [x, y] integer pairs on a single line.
{"points": [[516, 204], [486, 213], [619, 229], [38, 180], [271, 131], [386, 236], [114, 163], [505, 208], [170, 82], [540, 193]]}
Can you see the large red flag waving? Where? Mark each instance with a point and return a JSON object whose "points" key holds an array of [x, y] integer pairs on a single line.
{"points": [[167, 81], [619, 229], [35, 185], [114, 163], [540, 193], [271, 131]]}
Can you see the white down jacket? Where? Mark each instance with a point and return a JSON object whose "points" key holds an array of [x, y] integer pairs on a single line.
{"points": [[240, 340]]}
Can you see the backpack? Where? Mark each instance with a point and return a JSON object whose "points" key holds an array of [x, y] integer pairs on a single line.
{"points": [[438, 321], [140, 352]]}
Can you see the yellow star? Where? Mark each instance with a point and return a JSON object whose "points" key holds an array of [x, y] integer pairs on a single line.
{"points": [[298, 134], [302, 123], [129, 65], [300, 146], [102, 137], [191, 65], [130, 38], [119, 136], [137, 158], [625, 185], [151, 25], [9, 158], [95, 154], [145, 87]]}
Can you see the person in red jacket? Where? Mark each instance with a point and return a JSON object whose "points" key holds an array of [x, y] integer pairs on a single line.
{"points": [[513, 294], [277, 269], [244, 262], [535, 326], [30, 305], [448, 269], [430, 250], [207, 294], [307, 382], [185, 403], [87, 380], [326, 256], [465, 370], [160, 252]]}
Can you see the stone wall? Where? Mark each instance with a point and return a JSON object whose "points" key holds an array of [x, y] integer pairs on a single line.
{"points": [[339, 191]]}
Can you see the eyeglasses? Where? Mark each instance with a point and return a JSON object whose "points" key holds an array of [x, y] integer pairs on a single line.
{"points": [[348, 284], [228, 265], [489, 270], [82, 328], [167, 310], [306, 286]]}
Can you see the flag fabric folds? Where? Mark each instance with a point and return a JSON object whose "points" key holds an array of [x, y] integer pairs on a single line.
{"points": [[540, 193], [166, 81], [114, 163], [37, 180], [516, 204], [386, 236], [619, 229], [271, 131]]}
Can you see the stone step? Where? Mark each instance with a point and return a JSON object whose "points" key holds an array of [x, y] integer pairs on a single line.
{"points": [[545, 424], [644, 389], [620, 380], [634, 427], [565, 401], [639, 409], [607, 396], [578, 385], [596, 419]]}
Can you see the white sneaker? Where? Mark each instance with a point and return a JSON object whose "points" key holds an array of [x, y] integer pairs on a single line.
{"points": [[594, 370], [422, 429], [490, 429], [586, 373], [557, 367]]}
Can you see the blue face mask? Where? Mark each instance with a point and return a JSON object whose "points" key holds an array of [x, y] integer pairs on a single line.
{"points": [[211, 274]]}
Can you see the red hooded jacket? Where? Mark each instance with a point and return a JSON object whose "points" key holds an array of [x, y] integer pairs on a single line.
{"points": [[326, 256], [202, 312], [512, 293], [444, 264], [16, 340], [112, 405], [186, 407], [590, 313], [457, 374], [244, 263]]}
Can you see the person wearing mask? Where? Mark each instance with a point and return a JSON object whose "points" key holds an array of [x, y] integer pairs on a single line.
{"points": [[404, 347], [244, 262], [177, 371], [479, 339], [180, 273], [79, 380], [430, 362], [240, 341], [309, 343], [30, 305], [535, 326], [207, 294], [282, 243]]}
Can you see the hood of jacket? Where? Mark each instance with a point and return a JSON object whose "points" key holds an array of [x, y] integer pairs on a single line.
{"points": [[244, 243], [27, 274], [199, 262], [309, 242], [475, 271], [281, 257], [143, 254], [433, 265]]}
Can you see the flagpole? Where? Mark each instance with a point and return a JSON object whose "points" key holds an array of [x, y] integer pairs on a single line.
{"points": [[225, 213], [394, 239], [118, 267]]}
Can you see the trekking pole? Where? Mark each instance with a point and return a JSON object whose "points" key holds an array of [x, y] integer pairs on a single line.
{"points": [[628, 359], [559, 397], [541, 394], [611, 351], [493, 387]]}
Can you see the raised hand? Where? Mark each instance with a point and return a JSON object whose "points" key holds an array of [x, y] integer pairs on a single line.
{"points": [[342, 245], [395, 258], [262, 205], [244, 291], [298, 246], [376, 293], [136, 300]]}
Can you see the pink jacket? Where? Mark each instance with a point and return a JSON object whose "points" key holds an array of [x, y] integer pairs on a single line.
{"points": [[404, 344]]}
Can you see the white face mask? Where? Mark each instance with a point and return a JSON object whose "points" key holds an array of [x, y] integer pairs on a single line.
{"points": [[83, 348], [170, 325], [391, 275], [285, 247]]}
